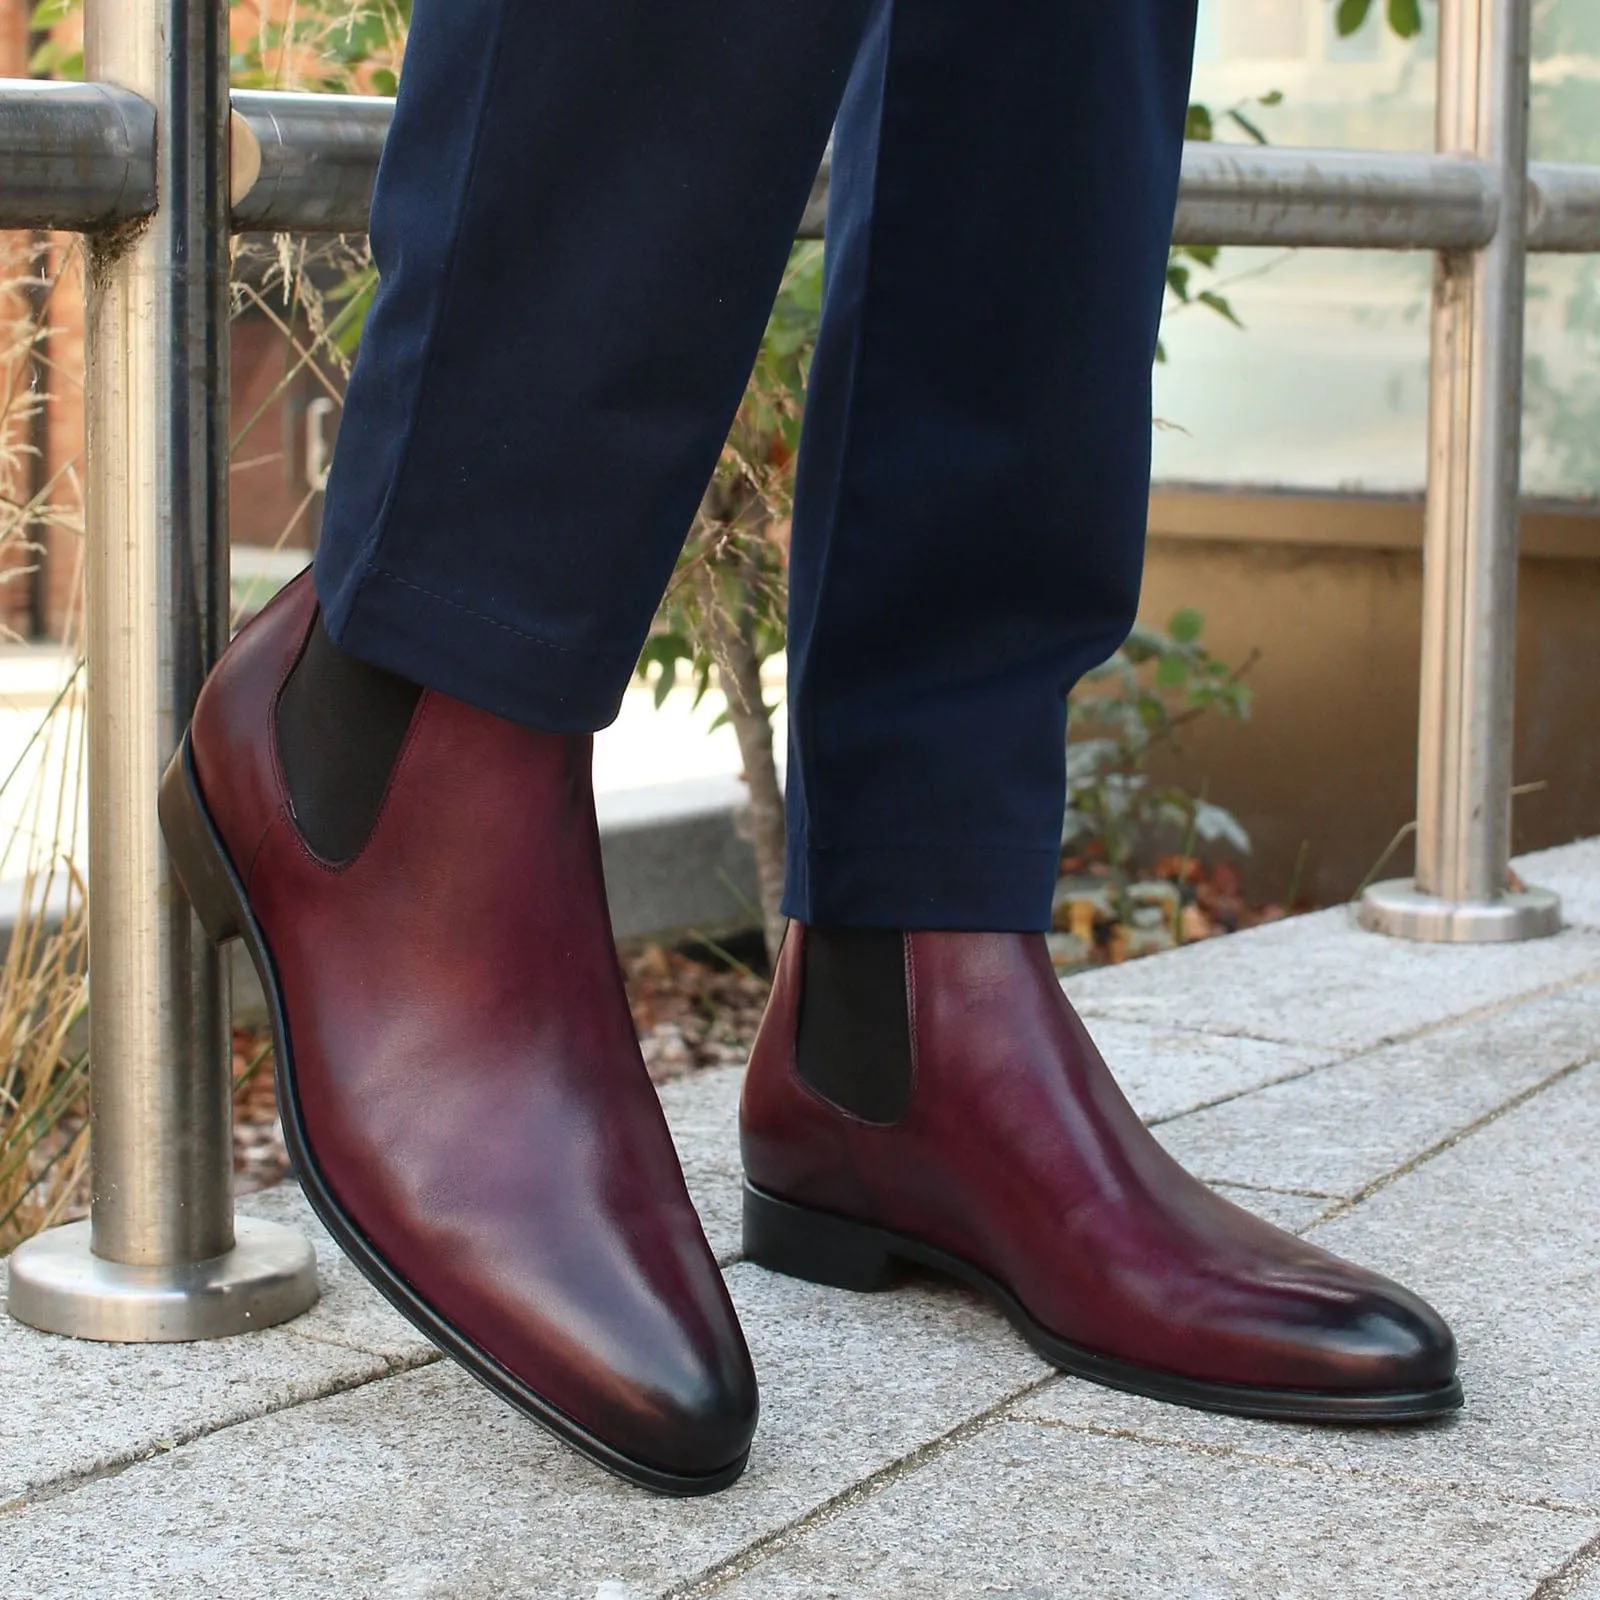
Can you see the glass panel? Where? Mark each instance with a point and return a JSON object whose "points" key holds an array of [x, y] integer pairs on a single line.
{"points": [[1325, 388], [1561, 434]]}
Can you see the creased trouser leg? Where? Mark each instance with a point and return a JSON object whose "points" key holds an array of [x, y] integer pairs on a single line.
{"points": [[969, 529], [581, 219]]}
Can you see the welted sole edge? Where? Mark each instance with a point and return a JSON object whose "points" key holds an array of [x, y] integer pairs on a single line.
{"points": [[822, 1247]]}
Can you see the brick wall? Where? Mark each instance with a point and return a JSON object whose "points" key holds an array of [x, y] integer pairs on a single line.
{"points": [[64, 459], [271, 498], [16, 371]]}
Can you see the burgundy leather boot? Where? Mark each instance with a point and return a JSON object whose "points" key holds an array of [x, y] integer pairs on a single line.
{"points": [[1008, 1158], [461, 1085]]}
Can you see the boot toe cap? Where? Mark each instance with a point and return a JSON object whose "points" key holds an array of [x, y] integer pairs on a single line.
{"points": [[1393, 1340], [703, 1419], [1362, 1336]]}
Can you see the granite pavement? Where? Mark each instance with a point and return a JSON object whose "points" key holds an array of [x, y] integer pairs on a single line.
{"points": [[1431, 1111]]}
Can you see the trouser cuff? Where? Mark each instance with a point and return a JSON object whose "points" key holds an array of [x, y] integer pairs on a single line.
{"points": [[954, 887], [445, 645]]}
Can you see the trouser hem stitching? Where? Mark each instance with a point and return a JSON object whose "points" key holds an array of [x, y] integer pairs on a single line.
{"points": [[495, 622]]}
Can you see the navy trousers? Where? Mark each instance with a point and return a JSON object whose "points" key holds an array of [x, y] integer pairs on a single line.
{"points": [[581, 221]]}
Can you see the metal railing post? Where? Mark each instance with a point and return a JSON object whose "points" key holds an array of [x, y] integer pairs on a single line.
{"points": [[161, 1257], [1469, 609]]}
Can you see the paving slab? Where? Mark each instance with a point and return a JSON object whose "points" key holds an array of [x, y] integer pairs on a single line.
{"points": [[1499, 1232], [1166, 1071], [910, 1444], [1296, 1212], [1573, 871], [1345, 1126], [1032, 1512], [69, 1407], [703, 1112], [425, 1485], [351, 1312], [1321, 981]]}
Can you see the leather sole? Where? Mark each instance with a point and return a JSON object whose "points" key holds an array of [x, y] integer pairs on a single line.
{"points": [[845, 1254], [201, 861]]}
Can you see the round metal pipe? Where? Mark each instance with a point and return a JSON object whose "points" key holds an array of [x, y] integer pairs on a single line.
{"points": [[318, 161], [81, 156], [1564, 207], [1249, 194], [1470, 539], [83, 152], [157, 610], [156, 619]]}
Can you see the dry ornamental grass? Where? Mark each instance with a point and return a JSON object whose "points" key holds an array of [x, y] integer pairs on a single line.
{"points": [[44, 979]]}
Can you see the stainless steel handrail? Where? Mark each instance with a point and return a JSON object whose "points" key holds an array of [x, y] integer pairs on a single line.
{"points": [[318, 160], [80, 156], [75, 155], [162, 1256], [1461, 891]]}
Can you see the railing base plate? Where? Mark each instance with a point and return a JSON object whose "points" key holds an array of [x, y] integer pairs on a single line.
{"points": [[1400, 909], [58, 1285]]}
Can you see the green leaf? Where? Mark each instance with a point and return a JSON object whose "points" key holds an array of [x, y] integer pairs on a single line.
{"points": [[1185, 625], [1172, 672], [1209, 297], [384, 81], [345, 329], [49, 12], [1273, 97], [1350, 16], [1198, 123], [1405, 17], [663, 651]]}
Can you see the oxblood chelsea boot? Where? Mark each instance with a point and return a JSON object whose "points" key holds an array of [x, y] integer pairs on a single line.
{"points": [[461, 1086], [981, 1134]]}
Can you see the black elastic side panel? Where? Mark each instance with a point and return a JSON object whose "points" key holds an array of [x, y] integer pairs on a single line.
{"points": [[854, 1045], [341, 723]]}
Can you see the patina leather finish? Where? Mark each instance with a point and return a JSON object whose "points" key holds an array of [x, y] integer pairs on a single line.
{"points": [[1020, 1158], [459, 1058]]}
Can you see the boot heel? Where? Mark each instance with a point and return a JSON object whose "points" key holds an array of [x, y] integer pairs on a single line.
{"points": [[803, 1243], [194, 849]]}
